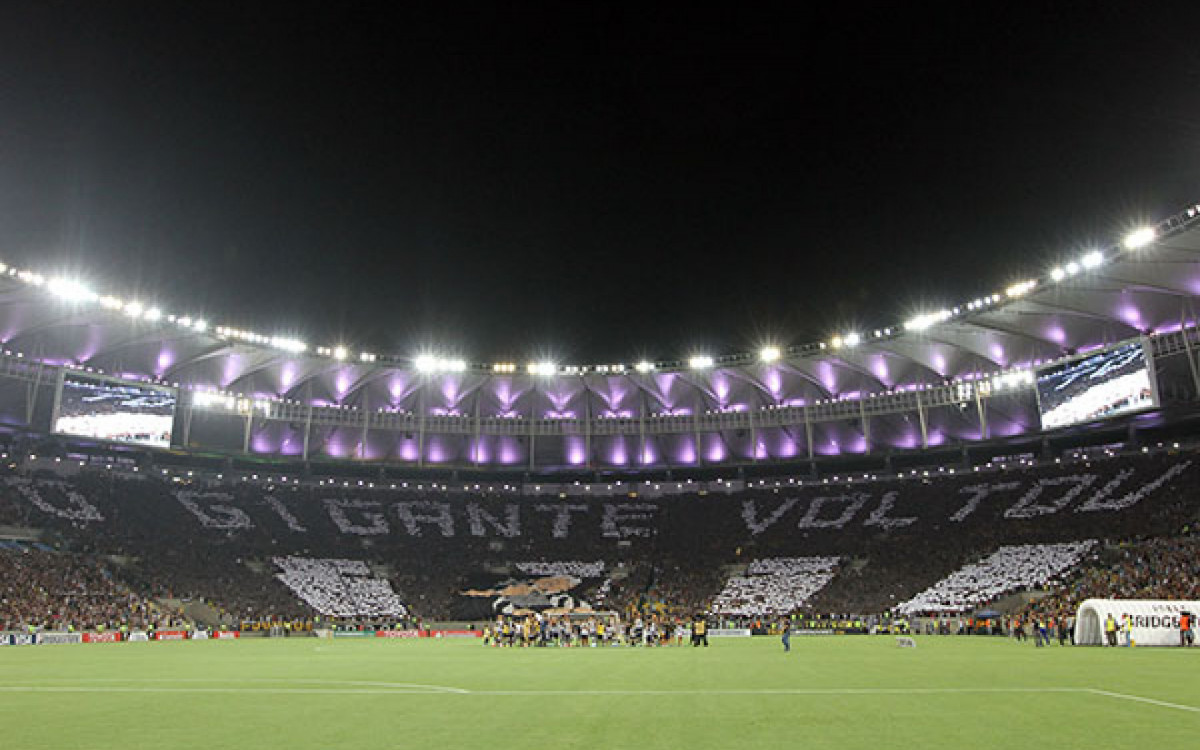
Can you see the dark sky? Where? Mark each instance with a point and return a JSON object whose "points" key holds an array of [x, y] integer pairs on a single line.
{"points": [[596, 188]]}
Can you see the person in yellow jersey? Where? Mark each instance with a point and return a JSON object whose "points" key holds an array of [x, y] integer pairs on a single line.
{"points": [[700, 631]]}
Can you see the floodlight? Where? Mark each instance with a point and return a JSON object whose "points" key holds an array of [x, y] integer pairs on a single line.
{"points": [[544, 369], [700, 362], [339, 352], [200, 325], [852, 339], [1072, 268], [425, 362], [71, 291], [153, 314], [133, 309], [1092, 259], [644, 366], [1058, 274], [769, 353], [1139, 238]]}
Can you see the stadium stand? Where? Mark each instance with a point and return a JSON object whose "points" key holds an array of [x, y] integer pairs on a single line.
{"points": [[774, 586], [1008, 569], [217, 542], [340, 588]]}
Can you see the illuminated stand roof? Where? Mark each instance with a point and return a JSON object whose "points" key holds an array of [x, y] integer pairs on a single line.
{"points": [[946, 376]]}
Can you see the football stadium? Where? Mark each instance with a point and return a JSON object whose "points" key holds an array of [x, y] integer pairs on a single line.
{"points": [[977, 524]]}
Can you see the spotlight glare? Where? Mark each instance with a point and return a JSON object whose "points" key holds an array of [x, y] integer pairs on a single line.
{"points": [[769, 353], [700, 362], [1139, 238]]}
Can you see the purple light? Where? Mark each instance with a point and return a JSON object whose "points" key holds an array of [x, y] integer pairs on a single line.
{"points": [[342, 383], [880, 368], [720, 384], [510, 452], [716, 451], [649, 456], [334, 446], [165, 360], [997, 353], [686, 453], [939, 363], [827, 375], [773, 379], [1056, 334], [576, 452], [1131, 315], [287, 376], [230, 369], [408, 450], [617, 455]]}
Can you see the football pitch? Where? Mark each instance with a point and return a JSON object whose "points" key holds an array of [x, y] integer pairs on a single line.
{"points": [[835, 692]]}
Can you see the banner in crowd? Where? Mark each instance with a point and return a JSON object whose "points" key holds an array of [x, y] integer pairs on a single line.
{"points": [[729, 632], [224, 635], [18, 639], [821, 509], [108, 637], [55, 639], [453, 634], [199, 635], [1152, 622], [397, 634], [170, 635], [137, 636], [353, 634]]}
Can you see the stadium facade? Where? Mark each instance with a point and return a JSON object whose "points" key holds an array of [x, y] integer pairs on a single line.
{"points": [[1108, 338]]}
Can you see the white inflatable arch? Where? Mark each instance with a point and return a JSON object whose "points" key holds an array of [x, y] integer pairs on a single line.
{"points": [[1155, 622]]}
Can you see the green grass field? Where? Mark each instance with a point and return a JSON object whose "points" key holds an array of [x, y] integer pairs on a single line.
{"points": [[836, 692]]}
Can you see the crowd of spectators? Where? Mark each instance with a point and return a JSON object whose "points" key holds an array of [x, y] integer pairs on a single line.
{"points": [[339, 588], [1159, 568], [1007, 570], [775, 586], [49, 590], [895, 538]]}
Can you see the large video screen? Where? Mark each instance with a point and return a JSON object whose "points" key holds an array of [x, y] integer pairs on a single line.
{"points": [[1116, 381], [115, 410]]}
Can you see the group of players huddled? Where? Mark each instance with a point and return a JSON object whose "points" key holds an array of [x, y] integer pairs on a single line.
{"points": [[535, 629]]}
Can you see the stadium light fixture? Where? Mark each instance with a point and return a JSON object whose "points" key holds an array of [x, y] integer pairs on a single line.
{"points": [[71, 291], [644, 366], [700, 362], [1072, 268], [153, 314], [545, 369], [134, 309], [425, 362], [1093, 259], [504, 367], [339, 353], [769, 353], [1139, 238], [852, 339], [200, 325], [1022, 288], [1058, 274]]}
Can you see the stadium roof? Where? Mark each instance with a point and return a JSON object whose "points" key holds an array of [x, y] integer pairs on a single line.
{"points": [[1142, 284]]}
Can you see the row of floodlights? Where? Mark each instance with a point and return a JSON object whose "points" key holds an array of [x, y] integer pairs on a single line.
{"points": [[1135, 240], [75, 292]]}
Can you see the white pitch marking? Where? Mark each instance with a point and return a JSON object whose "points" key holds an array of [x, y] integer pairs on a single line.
{"points": [[384, 688], [1140, 699]]}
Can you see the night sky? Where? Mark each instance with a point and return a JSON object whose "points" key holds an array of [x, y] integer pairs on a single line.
{"points": [[591, 188]]}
